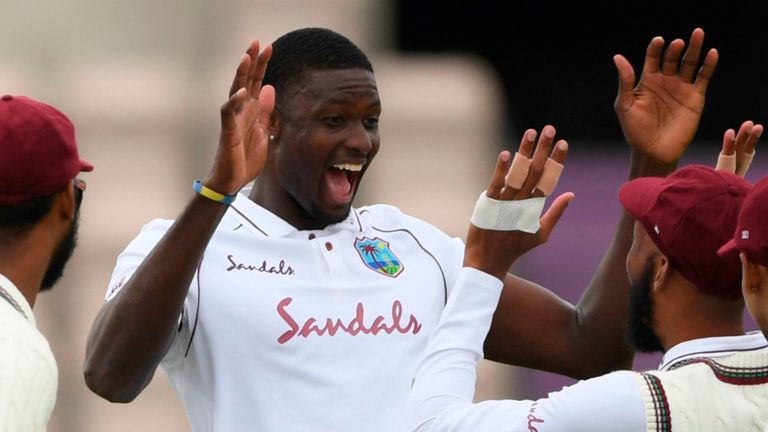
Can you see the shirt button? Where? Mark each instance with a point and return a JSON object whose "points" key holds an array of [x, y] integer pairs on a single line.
{"points": [[328, 246], [311, 236]]}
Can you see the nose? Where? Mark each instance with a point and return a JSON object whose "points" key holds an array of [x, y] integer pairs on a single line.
{"points": [[361, 138]]}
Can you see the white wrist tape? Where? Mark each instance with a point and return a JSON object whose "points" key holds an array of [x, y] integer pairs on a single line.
{"points": [[726, 163], [550, 176], [498, 215], [518, 171], [745, 163]]}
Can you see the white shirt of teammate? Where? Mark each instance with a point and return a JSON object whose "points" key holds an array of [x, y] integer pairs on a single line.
{"points": [[444, 384], [28, 371]]}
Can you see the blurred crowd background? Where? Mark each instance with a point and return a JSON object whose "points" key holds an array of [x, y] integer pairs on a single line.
{"points": [[143, 82]]}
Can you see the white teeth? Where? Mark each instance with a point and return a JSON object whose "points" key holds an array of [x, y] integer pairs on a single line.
{"points": [[349, 167]]}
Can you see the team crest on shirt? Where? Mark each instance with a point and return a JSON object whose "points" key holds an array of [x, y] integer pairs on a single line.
{"points": [[378, 256]]}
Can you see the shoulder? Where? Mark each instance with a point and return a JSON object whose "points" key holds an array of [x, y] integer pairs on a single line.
{"points": [[151, 232], [21, 341], [389, 217], [156, 225]]}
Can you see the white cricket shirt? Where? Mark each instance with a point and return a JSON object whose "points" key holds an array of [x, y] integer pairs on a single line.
{"points": [[28, 372], [286, 330], [441, 399]]}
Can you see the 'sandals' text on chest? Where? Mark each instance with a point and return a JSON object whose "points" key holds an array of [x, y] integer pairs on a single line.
{"points": [[280, 269]]}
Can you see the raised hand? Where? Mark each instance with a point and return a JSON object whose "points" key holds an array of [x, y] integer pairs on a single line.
{"points": [[494, 251], [739, 148], [660, 115], [242, 151]]}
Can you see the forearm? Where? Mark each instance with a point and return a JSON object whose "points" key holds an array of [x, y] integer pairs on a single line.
{"points": [[132, 331], [535, 328], [443, 390], [446, 375], [603, 307]]}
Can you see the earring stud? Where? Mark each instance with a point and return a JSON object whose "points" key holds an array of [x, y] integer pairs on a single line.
{"points": [[271, 137]]}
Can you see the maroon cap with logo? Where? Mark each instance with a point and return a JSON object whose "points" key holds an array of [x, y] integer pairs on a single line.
{"points": [[38, 152], [689, 215], [751, 234]]}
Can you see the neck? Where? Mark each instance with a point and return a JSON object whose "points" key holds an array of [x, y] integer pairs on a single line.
{"points": [[701, 316], [270, 195]]}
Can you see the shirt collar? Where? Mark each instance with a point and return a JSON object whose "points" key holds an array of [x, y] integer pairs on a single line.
{"points": [[713, 347], [259, 220], [16, 295]]}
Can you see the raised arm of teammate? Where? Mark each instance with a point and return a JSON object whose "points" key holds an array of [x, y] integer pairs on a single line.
{"points": [[123, 352], [659, 115]]}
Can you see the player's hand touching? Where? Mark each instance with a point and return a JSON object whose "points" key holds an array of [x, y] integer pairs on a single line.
{"points": [[739, 148], [495, 250], [660, 114], [242, 151]]}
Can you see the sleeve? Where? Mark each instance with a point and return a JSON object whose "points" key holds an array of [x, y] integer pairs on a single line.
{"points": [[27, 384], [127, 263], [133, 255], [443, 389]]}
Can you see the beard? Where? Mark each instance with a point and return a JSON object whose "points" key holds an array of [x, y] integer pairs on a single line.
{"points": [[640, 333], [62, 254]]}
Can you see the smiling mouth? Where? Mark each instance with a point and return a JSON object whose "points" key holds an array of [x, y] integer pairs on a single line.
{"points": [[341, 180]]}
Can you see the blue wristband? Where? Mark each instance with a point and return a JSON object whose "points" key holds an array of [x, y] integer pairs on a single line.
{"points": [[212, 194]]}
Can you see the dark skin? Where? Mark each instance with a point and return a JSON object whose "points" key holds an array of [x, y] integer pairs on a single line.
{"points": [[328, 128], [659, 115]]}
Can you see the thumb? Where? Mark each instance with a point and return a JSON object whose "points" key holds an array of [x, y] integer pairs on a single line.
{"points": [[626, 82], [549, 219]]}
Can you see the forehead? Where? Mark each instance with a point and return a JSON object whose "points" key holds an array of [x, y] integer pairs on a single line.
{"points": [[321, 87]]}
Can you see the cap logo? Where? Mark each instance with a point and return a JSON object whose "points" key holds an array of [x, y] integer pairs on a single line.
{"points": [[745, 234]]}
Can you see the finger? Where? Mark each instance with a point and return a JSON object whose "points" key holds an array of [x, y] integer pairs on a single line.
{"points": [[540, 155], [560, 151], [729, 142], [672, 57], [653, 55], [625, 95], [266, 106], [241, 75], [527, 143], [552, 216], [516, 169], [259, 70], [551, 174], [230, 109], [691, 57], [706, 71], [742, 136], [497, 180], [754, 137], [253, 53]]}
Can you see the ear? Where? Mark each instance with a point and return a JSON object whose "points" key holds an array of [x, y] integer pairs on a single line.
{"points": [[661, 272], [275, 123], [751, 276], [65, 203]]}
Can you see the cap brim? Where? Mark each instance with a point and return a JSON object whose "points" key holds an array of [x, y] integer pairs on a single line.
{"points": [[85, 166], [728, 248], [635, 195]]}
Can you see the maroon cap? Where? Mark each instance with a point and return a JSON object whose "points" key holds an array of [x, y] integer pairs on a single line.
{"points": [[689, 215], [38, 152], [751, 234]]}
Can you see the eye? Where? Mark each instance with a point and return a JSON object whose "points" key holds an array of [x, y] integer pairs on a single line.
{"points": [[334, 120], [371, 122]]}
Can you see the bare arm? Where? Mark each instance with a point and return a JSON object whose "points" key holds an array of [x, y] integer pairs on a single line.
{"points": [[659, 115], [122, 352]]}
